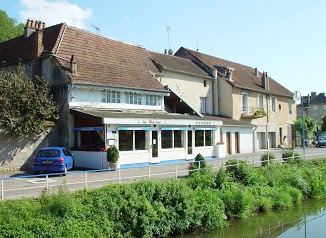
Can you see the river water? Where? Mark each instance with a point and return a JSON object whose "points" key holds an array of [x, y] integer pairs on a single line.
{"points": [[306, 220]]}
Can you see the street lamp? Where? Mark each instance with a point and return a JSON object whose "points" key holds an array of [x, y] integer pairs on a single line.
{"points": [[297, 97]]}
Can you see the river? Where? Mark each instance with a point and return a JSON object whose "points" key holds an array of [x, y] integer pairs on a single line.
{"points": [[306, 220]]}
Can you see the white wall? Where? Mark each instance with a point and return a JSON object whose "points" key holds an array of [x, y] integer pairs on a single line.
{"points": [[245, 138]]}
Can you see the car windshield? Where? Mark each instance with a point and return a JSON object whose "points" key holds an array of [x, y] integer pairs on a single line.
{"points": [[49, 153]]}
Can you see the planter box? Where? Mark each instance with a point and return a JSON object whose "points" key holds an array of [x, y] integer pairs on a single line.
{"points": [[220, 150], [114, 166]]}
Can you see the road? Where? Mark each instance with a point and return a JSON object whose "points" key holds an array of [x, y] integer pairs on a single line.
{"points": [[18, 184]]}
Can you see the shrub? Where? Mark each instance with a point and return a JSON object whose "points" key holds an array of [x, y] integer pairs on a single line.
{"points": [[267, 159], [112, 154], [232, 164], [221, 179], [199, 163], [204, 178]]}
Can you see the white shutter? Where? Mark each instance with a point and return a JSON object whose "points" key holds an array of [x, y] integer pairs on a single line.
{"points": [[264, 102], [276, 107], [270, 104], [258, 101]]}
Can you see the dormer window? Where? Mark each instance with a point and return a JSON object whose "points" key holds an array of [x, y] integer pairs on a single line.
{"points": [[205, 83]]}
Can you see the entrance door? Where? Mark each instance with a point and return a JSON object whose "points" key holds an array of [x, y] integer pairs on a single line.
{"points": [[237, 142], [189, 143], [228, 143], [154, 147], [281, 136]]}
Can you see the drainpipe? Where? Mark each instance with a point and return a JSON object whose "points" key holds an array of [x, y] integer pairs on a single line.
{"points": [[254, 139], [215, 93]]}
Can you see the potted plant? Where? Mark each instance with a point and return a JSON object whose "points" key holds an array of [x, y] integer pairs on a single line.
{"points": [[112, 156]]}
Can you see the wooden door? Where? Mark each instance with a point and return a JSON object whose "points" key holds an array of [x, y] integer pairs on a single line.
{"points": [[237, 142], [228, 142]]}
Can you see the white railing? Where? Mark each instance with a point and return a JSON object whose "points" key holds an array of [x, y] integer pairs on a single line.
{"points": [[33, 185]]}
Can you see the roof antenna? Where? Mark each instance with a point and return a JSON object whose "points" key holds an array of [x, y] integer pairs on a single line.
{"points": [[197, 46], [96, 28], [170, 52]]}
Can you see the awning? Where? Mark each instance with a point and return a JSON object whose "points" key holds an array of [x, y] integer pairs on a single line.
{"points": [[174, 128], [205, 128], [134, 128]]}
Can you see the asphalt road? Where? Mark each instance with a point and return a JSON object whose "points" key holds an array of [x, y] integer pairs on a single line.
{"points": [[20, 184]]}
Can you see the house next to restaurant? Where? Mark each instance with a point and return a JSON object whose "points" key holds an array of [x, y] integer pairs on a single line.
{"points": [[247, 95], [112, 93]]}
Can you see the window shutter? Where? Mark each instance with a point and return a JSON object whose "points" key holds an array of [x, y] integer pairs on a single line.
{"points": [[270, 104], [264, 102], [276, 106], [258, 101]]}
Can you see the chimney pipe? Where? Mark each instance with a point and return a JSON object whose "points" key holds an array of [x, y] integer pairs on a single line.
{"points": [[73, 66], [256, 71], [265, 81]]}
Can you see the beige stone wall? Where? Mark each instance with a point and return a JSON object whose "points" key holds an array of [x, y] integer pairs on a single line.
{"points": [[275, 120], [226, 99], [16, 153], [191, 88]]}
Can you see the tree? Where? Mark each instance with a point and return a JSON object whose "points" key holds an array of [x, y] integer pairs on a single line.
{"points": [[323, 123], [8, 27], [310, 127], [26, 103]]}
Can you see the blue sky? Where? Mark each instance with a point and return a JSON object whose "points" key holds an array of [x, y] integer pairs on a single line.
{"points": [[286, 38]]}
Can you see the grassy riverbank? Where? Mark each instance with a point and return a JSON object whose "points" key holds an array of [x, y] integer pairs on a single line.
{"points": [[160, 209]]}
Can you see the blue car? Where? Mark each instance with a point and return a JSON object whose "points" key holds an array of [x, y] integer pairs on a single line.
{"points": [[53, 159]]}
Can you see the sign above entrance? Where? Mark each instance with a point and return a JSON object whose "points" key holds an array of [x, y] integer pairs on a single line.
{"points": [[88, 129], [174, 128]]}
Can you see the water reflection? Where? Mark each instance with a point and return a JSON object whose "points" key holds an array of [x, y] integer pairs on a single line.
{"points": [[305, 220]]}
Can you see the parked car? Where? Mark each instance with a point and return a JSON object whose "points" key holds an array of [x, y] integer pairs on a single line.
{"points": [[53, 159]]}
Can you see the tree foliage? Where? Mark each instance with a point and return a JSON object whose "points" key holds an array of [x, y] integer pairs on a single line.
{"points": [[25, 103], [9, 28], [323, 123], [310, 126]]}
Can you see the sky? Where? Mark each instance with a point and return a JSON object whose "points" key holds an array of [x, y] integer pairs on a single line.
{"points": [[286, 38]]}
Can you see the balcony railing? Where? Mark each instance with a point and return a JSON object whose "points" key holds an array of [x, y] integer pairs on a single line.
{"points": [[252, 112]]}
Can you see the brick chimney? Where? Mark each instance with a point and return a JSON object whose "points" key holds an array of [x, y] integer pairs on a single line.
{"points": [[256, 72], [229, 73], [36, 27], [265, 81]]}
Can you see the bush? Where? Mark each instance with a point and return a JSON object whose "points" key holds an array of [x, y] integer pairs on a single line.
{"points": [[232, 164], [112, 154], [199, 163], [204, 178], [267, 159]]}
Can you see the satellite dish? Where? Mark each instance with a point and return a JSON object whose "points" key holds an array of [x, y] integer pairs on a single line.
{"points": [[296, 95], [170, 52]]}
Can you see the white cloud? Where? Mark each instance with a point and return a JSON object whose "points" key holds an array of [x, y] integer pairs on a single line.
{"points": [[54, 12]]}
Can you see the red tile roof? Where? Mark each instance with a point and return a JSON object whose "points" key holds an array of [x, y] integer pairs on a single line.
{"points": [[243, 76], [100, 60]]}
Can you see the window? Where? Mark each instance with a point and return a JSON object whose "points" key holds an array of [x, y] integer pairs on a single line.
{"points": [[153, 100], [290, 107], [111, 96], [324, 107], [166, 139], [273, 102], [205, 84], [315, 116], [245, 103], [126, 140], [203, 104], [133, 98], [203, 138], [315, 107], [172, 139], [132, 140], [260, 102]]}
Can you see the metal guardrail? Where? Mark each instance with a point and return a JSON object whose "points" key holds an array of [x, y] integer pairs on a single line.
{"points": [[33, 185]]}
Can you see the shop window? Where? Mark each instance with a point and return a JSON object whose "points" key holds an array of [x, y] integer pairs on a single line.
{"points": [[203, 138], [199, 138], [140, 140], [208, 138], [178, 139], [166, 139], [126, 140]]}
